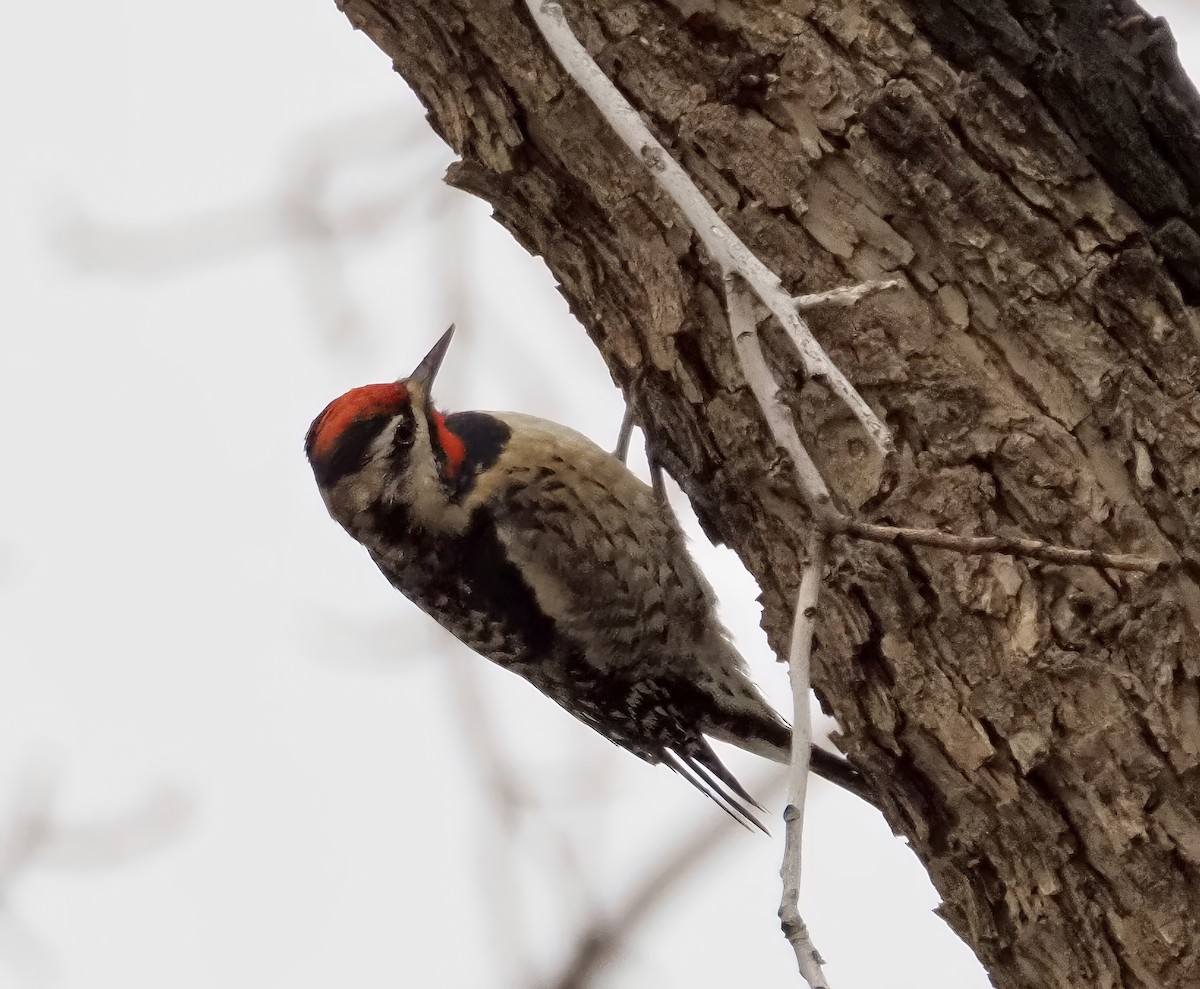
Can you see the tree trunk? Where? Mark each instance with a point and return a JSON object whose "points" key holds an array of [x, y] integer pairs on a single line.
{"points": [[1029, 169]]}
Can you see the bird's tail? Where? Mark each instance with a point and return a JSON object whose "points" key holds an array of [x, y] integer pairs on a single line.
{"points": [[769, 736]]}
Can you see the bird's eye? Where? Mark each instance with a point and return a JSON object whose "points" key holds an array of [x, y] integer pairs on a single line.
{"points": [[402, 439]]}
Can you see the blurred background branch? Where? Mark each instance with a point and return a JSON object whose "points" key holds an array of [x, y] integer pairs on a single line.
{"points": [[34, 836]]}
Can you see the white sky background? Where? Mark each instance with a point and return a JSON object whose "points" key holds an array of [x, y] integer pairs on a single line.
{"points": [[179, 616]]}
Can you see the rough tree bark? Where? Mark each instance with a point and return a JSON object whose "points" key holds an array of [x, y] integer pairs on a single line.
{"points": [[1030, 169]]}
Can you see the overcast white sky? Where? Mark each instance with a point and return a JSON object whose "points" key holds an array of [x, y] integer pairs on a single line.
{"points": [[181, 624]]}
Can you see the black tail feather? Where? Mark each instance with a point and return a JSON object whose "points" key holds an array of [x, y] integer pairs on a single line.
{"points": [[693, 769], [705, 757], [716, 786]]}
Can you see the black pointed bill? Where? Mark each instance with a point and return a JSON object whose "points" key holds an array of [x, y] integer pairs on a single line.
{"points": [[422, 377]]}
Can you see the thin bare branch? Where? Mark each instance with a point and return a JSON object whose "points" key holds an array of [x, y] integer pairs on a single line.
{"points": [[799, 660], [1012, 545], [766, 390], [816, 494]]}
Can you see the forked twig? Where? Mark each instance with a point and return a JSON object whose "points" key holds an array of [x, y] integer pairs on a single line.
{"points": [[736, 259], [740, 309]]}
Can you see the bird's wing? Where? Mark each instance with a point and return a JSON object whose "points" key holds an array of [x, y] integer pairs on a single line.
{"points": [[605, 562]]}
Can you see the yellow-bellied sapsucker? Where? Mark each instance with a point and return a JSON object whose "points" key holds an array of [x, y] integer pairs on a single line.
{"points": [[545, 554]]}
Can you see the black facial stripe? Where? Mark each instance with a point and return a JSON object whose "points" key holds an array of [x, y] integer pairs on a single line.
{"points": [[484, 438], [435, 443], [350, 451]]}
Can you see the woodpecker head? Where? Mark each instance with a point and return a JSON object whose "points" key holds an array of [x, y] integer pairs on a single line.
{"points": [[383, 443]]}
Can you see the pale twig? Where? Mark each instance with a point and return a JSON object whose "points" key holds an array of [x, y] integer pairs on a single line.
{"points": [[762, 384], [847, 295], [799, 661], [723, 245]]}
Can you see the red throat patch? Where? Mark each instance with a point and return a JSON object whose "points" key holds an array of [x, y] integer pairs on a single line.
{"points": [[357, 405], [451, 445]]}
